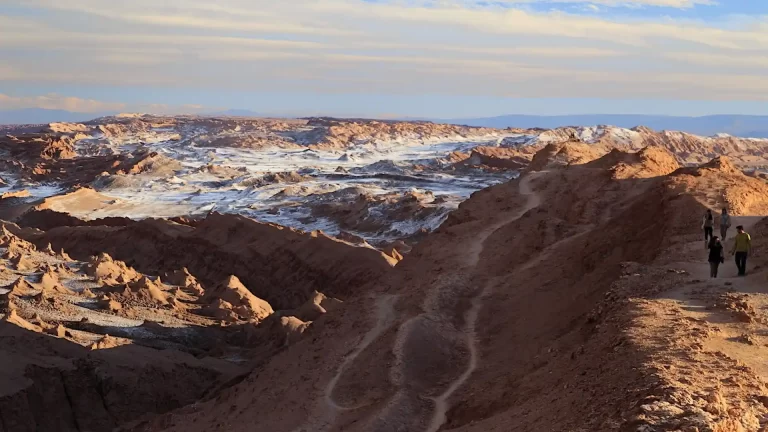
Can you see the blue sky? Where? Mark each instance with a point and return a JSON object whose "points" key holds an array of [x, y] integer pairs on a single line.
{"points": [[421, 58]]}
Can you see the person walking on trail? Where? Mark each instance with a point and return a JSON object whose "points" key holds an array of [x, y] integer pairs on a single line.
{"points": [[708, 224], [742, 246], [716, 256], [725, 223]]}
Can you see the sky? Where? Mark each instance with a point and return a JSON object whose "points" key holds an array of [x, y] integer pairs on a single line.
{"points": [[386, 58]]}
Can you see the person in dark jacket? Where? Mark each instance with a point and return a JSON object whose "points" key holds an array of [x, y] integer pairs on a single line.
{"points": [[716, 255], [725, 223], [708, 224]]}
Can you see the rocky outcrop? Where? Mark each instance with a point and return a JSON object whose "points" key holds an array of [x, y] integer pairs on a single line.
{"points": [[153, 163], [152, 290], [184, 278], [16, 247], [239, 298], [23, 193], [687, 148], [340, 134], [66, 128], [49, 281], [20, 288], [36, 148], [126, 127], [648, 162], [246, 140], [734, 190], [45, 219], [282, 266], [392, 213], [52, 158], [494, 157], [107, 270], [563, 154], [315, 307], [274, 178]]}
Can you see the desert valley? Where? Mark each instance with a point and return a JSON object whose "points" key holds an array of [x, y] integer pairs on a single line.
{"points": [[204, 273]]}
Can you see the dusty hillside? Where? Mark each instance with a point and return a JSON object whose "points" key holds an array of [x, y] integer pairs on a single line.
{"points": [[573, 298], [78, 351], [94, 343], [539, 305], [565, 153], [278, 264], [730, 188]]}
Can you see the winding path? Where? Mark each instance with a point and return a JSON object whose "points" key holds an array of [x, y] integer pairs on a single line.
{"points": [[324, 415], [385, 317], [422, 402], [441, 402]]}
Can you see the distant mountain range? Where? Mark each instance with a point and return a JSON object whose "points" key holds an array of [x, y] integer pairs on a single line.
{"points": [[736, 125], [41, 116]]}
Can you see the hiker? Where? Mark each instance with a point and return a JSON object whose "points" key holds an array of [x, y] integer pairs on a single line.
{"points": [[742, 245], [716, 256], [708, 224], [725, 223]]}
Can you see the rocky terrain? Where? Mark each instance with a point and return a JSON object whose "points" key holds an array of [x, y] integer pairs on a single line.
{"points": [[465, 279], [90, 342], [574, 298], [687, 148], [281, 171], [382, 182]]}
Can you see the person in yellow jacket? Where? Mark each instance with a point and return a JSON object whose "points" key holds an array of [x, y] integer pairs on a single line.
{"points": [[742, 246]]}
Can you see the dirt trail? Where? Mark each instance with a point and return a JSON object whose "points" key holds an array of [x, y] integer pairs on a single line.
{"points": [[698, 266], [476, 248], [435, 351], [441, 339], [732, 338], [325, 413], [385, 317], [441, 402]]}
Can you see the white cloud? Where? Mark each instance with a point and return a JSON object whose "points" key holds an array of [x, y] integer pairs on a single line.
{"points": [[68, 103], [193, 14], [517, 22], [720, 60], [342, 18], [409, 46], [679, 4], [58, 102]]}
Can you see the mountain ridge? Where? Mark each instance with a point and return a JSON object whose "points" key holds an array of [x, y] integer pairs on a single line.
{"points": [[746, 126]]}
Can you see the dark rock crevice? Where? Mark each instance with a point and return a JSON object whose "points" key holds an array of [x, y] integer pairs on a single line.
{"points": [[82, 399]]}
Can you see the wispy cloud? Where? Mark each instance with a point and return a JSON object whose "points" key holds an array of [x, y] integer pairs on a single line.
{"points": [[58, 102], [678, 4], [502, 47], [75, 104]]}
